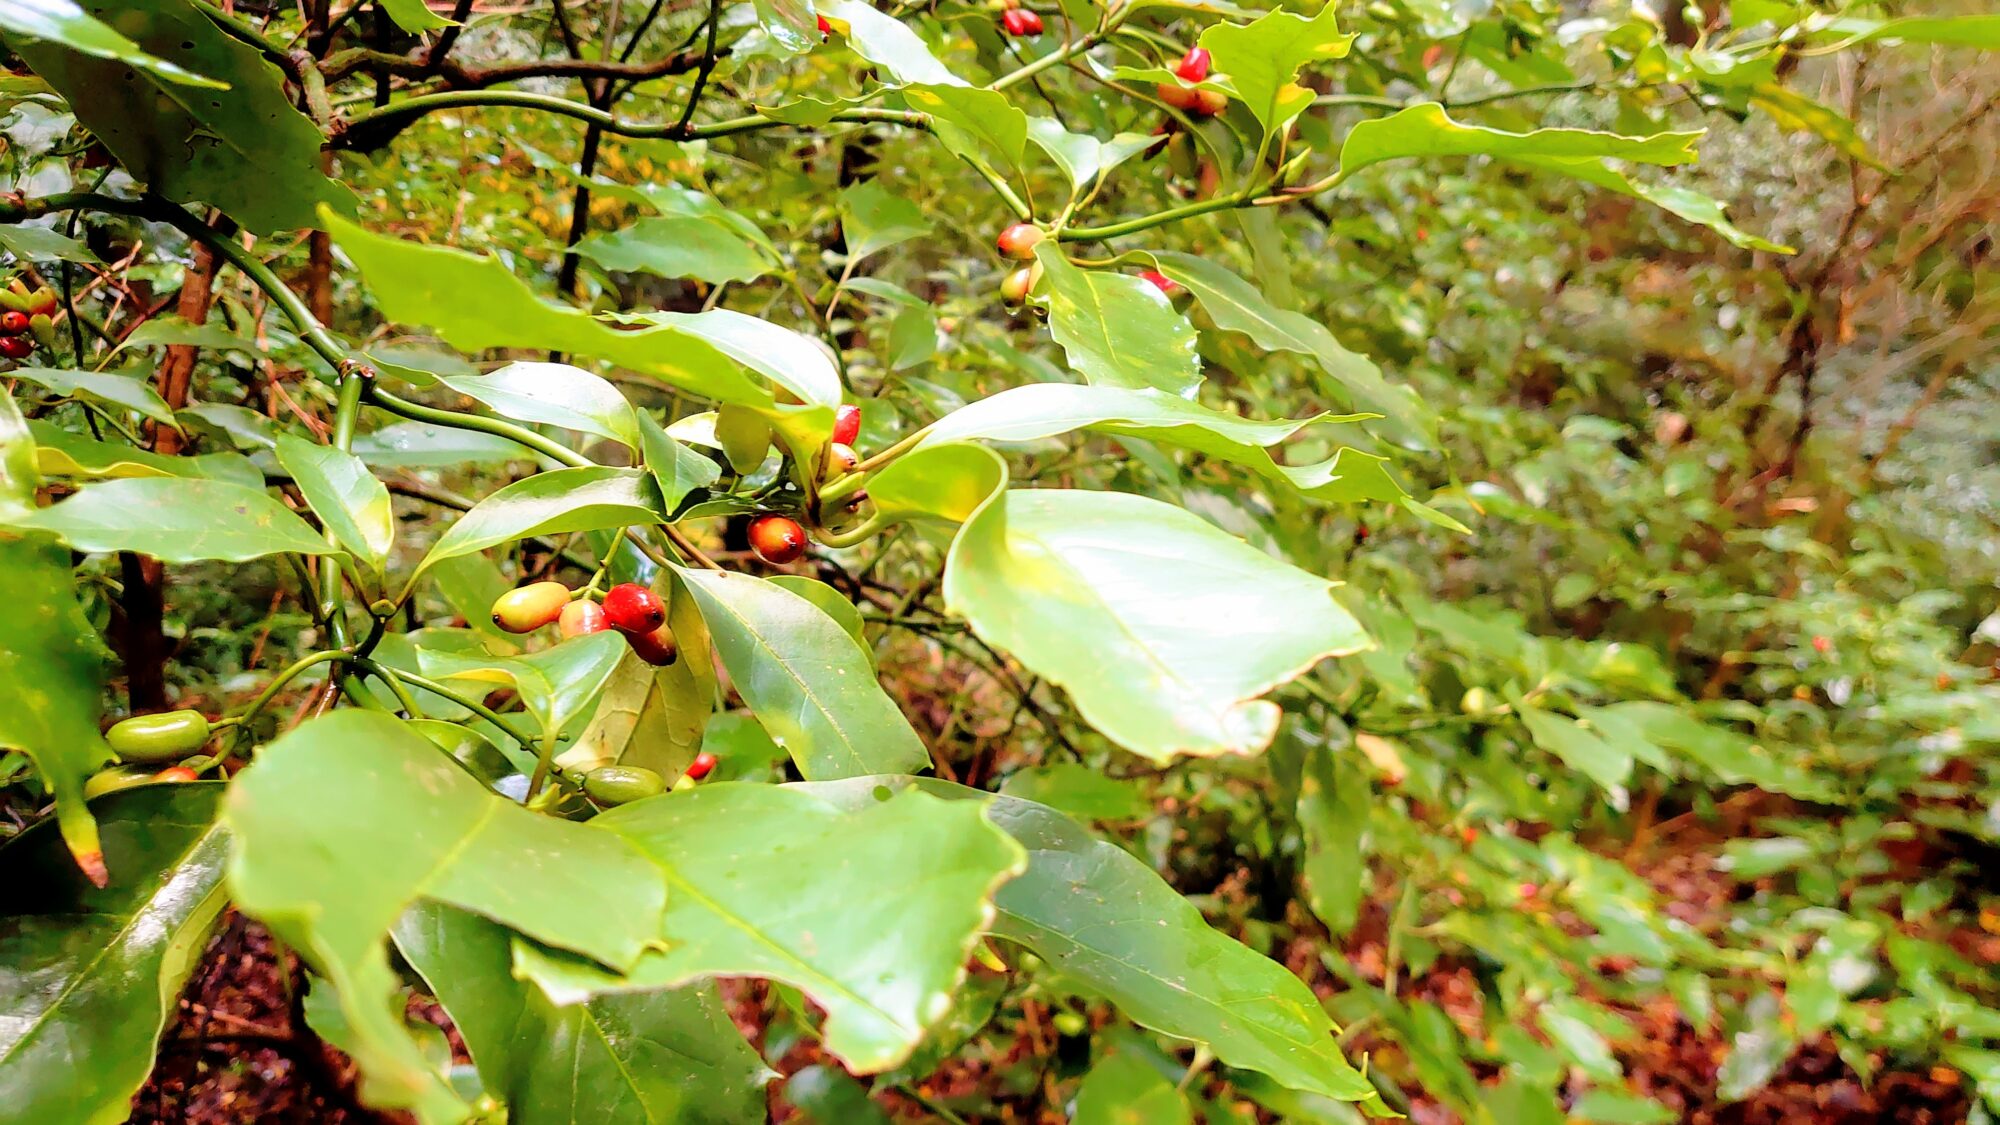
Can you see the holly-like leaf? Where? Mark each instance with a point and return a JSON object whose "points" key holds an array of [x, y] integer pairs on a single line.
{"points": [[872, 219], [1426, 130], [1082, 157], [1685, 203], [243, 148], [887, 42], [590, 498], [65, 22], [345, 496], [644, 1058], [1261, 59], [872, 910], [1164, 630], [974, 123], [88, 974], [1236, 306], [345, 821], [176, 521], [1104, 918], [1118, 330], [677, 246], [805, 678]]}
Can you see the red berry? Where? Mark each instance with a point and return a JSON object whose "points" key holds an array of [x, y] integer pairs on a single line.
{"points": [[16, 347], [1822, 645], [176, 773], [777, 539], [1019, 240], [633, 610], [13, 323], [846, 423], [825, 28], [530, 607], [657, 647], [1162, 282], [702, 766], [1193, 65], [1020, 22], [582, 616]]}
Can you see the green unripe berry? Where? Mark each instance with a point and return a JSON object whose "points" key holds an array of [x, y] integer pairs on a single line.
{"points": [[619, 785], [166, 737]]}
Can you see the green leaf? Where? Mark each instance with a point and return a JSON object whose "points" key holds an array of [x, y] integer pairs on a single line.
{"points": [[1756, 1051], [647, 716], [1104, 919], [88, 976], [789, 23], [1580, 748], [1793, 110], [1981, 30], [642, 1059], [1083, 158], [1236, 306], [1619, 1107], [677, 469], [1118, 330], [871, 911], [59, 453], [677, 246], [805, 678], [557, 685], [947, 482], [591, 498], [1425, 130], [1124, 1089], [1074, 789], [345, 496], [423, 445], [128, 391], [66, 23], [554, 394], [345, 821], [1261, 59], [20, 478], [888, 43], [168, 330], [872, 219], [1044, 409], [243, 149], [794, 361], [414, 16], [1164, 630], [33, 243], [176, 521], [475, 303], [1333, 818], [828, 1095], [831, 602], [1686, 203], [1567, 1028], [973, 123]]}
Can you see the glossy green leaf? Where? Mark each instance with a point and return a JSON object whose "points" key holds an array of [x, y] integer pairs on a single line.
{"points": [[948, 482], [872, 219], [677, 246], [414, 16], [974, 123], [792, 360], [1164, 630], [421, 444], [561, 500], [1124, 1089], [1971, 30], [1620, 1107], [1118, 330], [342, 823], [131, 392], [1581, 748], [88, 976], [1082, 157], [243, 149], [168, 330], [828, 1095], [59, 453], [557, 685], [831, 602], [176, 521], [554, 394], [1076, 790], [1333, 818], [654, 717], [64, 22], [1106, 920], [1261, 60], [677, 469], [650, 1058], [888, 43], [1426, 130], [805, 678], [36, 244], [1756, 1050], [345, 496], [1237, 306], [872, 911], [20, 478]]}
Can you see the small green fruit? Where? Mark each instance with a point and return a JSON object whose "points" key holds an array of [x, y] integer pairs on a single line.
{"points": [[530, 607], [619, 785], [166, 737], [745, 437], [112, 780]]}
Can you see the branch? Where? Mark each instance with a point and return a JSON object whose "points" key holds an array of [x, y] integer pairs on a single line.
{"points": [[458, 77], [563, 107]]}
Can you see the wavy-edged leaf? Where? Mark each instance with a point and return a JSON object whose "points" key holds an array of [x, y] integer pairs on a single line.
{"points": [[872, 910], [1124, 1089], [176, 521], [872, 219], [1164, 630], [36, 243], [243, 149], [887, 42], [974, 123], [422, 444], [1082, 157], [677, 246], [590, 498], [1118, 330], [1261, 59], [1426, 130], [805, 678], [60, 453], [414, 16], [342, 823], [88, 975], [553, 394], [677, 469], [1105, 919], [1686, 203]]}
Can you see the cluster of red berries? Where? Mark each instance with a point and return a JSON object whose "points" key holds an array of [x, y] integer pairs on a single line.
{"points": [[1021, 23], [1189, 95], [631, 609], [26, 315]]}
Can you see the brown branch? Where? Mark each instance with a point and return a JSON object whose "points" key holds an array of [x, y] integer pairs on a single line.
{"points": [[455, 76]]}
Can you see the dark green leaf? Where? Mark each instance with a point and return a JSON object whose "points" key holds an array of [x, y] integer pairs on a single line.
{"points": [[176, 521]]}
